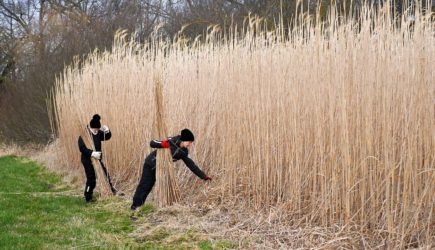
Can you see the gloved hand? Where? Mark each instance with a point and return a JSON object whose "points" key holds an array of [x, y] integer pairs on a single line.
{"points": [[105, 129], [207, 178], [96, 155]]}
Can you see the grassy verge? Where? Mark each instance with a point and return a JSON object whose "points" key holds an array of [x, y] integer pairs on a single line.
{"points": [[39, 211]]}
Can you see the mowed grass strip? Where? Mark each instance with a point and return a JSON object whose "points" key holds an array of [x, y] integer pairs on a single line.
{"points": [[37, 211]]}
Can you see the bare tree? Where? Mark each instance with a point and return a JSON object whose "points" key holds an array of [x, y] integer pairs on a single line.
{"points": [[39, 37]]}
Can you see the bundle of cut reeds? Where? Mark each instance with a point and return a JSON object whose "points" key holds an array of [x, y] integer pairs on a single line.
{"points": [[167, 191]]}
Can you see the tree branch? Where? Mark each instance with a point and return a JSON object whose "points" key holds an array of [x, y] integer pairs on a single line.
{"points": [[10, 14]]}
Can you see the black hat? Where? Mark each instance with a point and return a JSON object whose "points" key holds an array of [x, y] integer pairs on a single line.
{"points": [[95, 122], [187, 135]]}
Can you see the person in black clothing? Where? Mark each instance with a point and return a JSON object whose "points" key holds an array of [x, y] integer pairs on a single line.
{"points": [[98, 135], [179, 149]]}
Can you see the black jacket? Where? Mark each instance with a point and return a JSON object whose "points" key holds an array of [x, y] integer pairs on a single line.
{"points": [[98, 138], [177, 153]]}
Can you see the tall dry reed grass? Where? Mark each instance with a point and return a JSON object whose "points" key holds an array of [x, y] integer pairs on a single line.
{"points": [[334, 121], [167, 190]]}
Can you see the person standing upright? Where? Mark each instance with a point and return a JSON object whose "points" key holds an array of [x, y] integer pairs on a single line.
{"points": [[98, 134]]}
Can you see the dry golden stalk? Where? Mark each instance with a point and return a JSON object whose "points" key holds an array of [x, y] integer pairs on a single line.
{"points": [[167, 191]]}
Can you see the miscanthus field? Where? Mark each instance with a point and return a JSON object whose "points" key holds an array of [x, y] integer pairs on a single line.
{"points": [[316, 133]]}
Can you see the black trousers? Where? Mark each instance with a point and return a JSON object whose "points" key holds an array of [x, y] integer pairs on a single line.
{"points": [[91, 178], [146, 184]]}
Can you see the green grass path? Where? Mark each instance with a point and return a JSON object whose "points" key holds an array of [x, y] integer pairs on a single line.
{"points": [[38, 211]]}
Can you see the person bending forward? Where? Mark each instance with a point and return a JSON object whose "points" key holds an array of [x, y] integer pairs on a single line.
{"points": [[179, 150]]}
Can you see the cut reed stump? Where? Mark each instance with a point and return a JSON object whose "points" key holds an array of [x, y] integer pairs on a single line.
{"points": [[167, 190]]}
